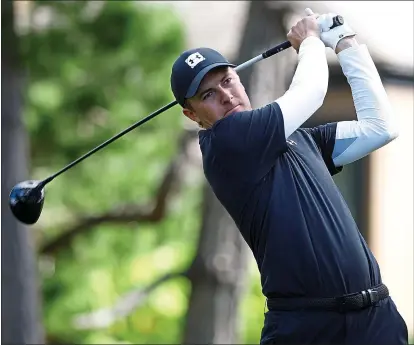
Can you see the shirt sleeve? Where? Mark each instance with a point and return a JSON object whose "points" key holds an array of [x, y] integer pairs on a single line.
{"points": [[309, 85], [248, 143], [376, 125], [325, 136]]}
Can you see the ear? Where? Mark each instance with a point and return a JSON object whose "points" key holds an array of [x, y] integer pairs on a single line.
{"points": [[191, 115]]}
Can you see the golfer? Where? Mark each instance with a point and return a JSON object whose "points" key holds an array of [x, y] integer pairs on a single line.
{"points": [[321, 281]]}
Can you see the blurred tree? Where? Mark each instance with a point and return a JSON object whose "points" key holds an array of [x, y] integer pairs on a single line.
{"points": [[20, 316], [94, 68], [217, 277]]}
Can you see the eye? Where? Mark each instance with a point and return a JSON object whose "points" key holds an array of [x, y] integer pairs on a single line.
{"points": [[228, 80], [206, 95]]}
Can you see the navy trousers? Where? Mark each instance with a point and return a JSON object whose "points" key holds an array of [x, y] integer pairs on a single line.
{"points": [[380, 324]]}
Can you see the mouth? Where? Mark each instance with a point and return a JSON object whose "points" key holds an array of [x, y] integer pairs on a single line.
{"points": [[232, 110]]}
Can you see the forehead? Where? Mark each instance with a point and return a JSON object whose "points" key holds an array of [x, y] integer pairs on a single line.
{"points": [[215, 75]]}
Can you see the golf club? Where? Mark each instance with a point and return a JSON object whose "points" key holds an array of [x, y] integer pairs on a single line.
{"points": [[27, 198]]}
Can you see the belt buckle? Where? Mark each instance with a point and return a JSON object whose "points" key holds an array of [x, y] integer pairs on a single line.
{"points": [[369, 297], [373, 296]]}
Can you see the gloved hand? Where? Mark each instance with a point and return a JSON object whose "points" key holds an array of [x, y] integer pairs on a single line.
{"points": [[331, 37]]}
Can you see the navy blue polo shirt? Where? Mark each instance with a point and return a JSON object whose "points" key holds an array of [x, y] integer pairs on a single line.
{"points": [[282, 197]]}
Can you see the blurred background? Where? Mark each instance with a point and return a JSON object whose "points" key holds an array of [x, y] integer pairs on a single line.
{"points": [[132, 246]]}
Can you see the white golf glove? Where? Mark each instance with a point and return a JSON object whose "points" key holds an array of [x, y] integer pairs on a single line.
{"points": [[331, 37]]}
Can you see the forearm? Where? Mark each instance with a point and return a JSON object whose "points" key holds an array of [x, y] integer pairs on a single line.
{"points": [[345, 43], [368, 93], [376, 125], [309, 85]]}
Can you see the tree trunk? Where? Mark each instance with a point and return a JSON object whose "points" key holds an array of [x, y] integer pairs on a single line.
{"points": [[20, 311], [218, 272], [217, 276], [265, 28]]}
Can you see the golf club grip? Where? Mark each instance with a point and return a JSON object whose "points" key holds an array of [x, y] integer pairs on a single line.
{"points": [[280, 47], [337, 21]]}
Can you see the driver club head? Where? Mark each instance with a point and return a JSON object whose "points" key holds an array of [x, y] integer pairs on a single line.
{"points": [[26, 201]]}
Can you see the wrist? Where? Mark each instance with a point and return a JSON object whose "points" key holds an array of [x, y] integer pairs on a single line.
{"points": [[345, 43]]}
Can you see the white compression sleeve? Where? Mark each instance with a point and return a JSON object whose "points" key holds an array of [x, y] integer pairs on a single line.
{"points": [[309, 85], [375, 126]]}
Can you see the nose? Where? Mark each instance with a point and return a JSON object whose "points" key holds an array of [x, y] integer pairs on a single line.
{"points": [[225, 95]]}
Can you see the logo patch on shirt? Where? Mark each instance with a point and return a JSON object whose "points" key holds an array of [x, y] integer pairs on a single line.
{"points": [[291, 142], [194, 59]]}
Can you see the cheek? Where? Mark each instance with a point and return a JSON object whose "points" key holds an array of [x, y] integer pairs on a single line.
{"points": [[241, 92], [240, 89], [215, 111], [212, 106], [209, 112]]}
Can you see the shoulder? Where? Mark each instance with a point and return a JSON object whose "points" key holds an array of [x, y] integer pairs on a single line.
{"points": [[246, 138], [249, 122]]}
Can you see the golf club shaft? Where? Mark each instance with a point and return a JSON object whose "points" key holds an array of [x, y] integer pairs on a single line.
{"points": [[268, 53], [337, 21], [262, 56], [107, 142]]}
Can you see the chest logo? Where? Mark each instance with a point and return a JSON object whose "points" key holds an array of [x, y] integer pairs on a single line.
{"points": [[291, 142]]}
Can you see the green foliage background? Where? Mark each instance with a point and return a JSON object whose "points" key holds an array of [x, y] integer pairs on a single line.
{"points": [[93, 70]]}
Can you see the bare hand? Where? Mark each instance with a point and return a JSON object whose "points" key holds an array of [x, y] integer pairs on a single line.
{"points": [[307, 26]]}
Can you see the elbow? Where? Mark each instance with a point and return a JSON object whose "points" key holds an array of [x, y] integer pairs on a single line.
{"points": [[387, 136], [392, 133], [378, 133], [388, 131], [391, 128], [383, 125]]}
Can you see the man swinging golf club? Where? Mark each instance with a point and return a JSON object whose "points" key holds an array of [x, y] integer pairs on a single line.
{"points": [[321, 281]]}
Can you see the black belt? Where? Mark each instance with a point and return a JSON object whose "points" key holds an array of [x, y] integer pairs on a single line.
{"points": [[349, 302]]}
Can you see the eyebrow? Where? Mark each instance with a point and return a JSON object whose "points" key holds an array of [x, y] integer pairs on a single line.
{"points": [[210, 88]]}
